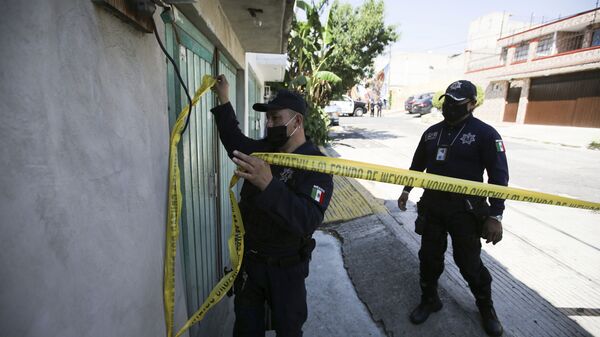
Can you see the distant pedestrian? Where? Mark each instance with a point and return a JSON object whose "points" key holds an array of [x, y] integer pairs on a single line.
{"points": [[461, 146], [379, 107], [372, 106]]}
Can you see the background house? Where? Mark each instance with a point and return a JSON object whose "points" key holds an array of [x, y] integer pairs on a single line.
{"points": [[411, 74], [546, 74]]}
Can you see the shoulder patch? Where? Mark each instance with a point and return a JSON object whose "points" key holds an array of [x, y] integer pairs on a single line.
{"points": [[500, 145], [431, 135], [318, 194]]}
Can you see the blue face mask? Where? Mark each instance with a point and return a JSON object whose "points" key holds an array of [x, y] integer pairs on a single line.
{"points": [[277, 135]]}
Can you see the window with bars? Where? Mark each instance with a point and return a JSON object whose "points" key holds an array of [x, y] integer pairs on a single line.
{"points": [[521, 52], [596, 38], [544, 47], [568, 41]]}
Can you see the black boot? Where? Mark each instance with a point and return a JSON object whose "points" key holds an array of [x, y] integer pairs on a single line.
{"points": [[489, 319], [429, 304]]}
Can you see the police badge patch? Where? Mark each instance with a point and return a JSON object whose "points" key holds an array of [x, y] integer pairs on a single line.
{"points": [[455, 85], [467, 138], [286, 174]]}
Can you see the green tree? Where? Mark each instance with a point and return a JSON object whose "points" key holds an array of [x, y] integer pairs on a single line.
{"points": [[359, 36], [437, 100], [308, 49]]}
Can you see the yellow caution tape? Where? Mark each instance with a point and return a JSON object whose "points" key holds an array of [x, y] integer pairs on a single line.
{"points": [[334, 166], [236, 253], [391, 175], [235, 242]]}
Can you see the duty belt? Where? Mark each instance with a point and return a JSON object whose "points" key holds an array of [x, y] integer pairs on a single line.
{"points": [[280, 261]]}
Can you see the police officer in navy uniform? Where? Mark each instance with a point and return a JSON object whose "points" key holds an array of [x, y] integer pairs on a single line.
{"points": [[461, 146], [281, 208]]}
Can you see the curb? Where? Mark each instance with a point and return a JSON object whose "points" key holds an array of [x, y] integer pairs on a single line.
{"points": [[352, 200]]}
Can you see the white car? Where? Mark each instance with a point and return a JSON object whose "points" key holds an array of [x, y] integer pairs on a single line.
{"points": [[350, 107], [334, 113]]}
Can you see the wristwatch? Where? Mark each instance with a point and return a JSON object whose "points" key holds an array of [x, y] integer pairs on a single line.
{"points": [[496, 217]]}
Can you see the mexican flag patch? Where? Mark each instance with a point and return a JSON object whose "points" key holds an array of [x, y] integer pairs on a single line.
{"points": [[318, 194], [500, 145]]}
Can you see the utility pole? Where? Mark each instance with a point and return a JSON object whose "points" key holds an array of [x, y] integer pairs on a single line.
{"points": [[502, 23]]}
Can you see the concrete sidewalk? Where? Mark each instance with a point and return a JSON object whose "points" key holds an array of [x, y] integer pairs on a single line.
{"points": [[549, 134], [380, 256], [366, 283], [334, 307]]}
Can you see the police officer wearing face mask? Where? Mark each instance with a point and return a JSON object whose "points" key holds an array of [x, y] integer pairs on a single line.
{"points": [[461, 146], [281, 208]]}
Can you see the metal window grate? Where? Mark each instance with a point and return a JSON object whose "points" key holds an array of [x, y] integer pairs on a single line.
{"points": [[521, 52], [544, 47], [595, 38]]}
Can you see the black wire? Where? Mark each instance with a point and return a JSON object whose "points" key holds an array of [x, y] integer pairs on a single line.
{"points": [[187, 93], [160, 3]]}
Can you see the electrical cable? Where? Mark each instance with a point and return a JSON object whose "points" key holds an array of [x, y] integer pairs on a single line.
{"points": [[187, 93], [161, 4]]}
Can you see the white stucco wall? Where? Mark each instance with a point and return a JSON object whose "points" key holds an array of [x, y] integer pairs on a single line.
{"points": [[83, 173]]}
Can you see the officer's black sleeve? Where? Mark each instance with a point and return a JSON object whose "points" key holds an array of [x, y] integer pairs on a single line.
{"points": [[496, 165], [301, 211], [419, 161], [231, 135]]}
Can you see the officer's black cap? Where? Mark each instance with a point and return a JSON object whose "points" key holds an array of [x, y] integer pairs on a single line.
{"points": [[461, 90], [285, 99]]}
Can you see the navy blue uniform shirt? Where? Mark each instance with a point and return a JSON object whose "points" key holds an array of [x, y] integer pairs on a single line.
{"points": [[472, 147], [288, 211]]}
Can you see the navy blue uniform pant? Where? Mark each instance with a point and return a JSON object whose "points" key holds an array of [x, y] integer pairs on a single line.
{"points": [[282, 288], [448, 215]]}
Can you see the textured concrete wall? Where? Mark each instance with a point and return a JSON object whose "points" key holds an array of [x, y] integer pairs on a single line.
{"points": [[523, 101], [83, 173], [493, 105]]}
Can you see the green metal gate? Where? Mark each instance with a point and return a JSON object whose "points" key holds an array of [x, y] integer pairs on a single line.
{"points": [[226, 165], [201, 234]]}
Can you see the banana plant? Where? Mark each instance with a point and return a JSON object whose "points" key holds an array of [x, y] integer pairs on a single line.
{"points": [[308, 49]]}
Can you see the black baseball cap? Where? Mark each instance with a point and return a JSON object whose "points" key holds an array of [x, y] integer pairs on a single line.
{"points": [[285, 99], [461, 90]]}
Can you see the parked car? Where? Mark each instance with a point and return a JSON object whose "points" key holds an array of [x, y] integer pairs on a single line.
{"points": [[423, 106], [419, 100], [408, 103], [334, 113], [350, 107]]}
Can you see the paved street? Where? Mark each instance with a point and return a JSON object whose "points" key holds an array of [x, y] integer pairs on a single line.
{"points": [[546, 269]]}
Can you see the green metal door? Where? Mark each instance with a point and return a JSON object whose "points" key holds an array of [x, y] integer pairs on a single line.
{"points": [[198, 159], [226, 165]]}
